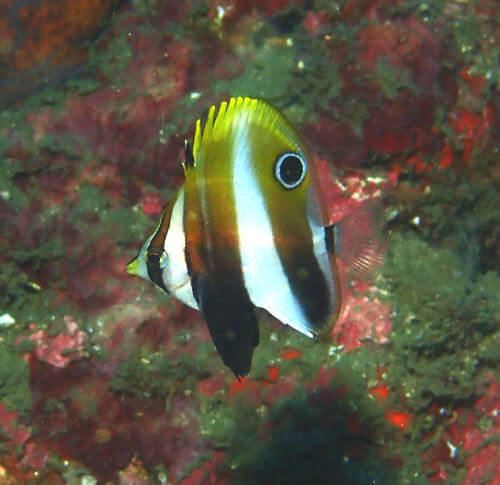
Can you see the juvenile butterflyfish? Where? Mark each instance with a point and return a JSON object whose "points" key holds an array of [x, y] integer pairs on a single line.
{"points": [[246, 231]]}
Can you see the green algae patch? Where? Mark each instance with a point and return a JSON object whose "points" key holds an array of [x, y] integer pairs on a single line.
{"points": [[268, 64], [275, 340], [152, 374], [113, 60], [15, 391], [9, 192], [91, 200], [391, 79], [445, 336], [126, 225], [430, 11], [445, 326], [306, 82], [83, 86], [217, 422]]}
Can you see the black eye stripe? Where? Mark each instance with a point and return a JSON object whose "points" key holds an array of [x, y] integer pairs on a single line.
{"points": [[154, 271], [290, 169], [154, 258]]}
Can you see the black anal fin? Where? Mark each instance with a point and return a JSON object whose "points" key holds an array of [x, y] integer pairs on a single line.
{"points": [[231, 321]]}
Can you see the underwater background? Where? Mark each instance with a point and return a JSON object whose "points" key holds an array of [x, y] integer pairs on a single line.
{"points": [[104, 379]]}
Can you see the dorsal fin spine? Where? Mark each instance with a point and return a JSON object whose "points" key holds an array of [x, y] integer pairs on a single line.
{"points": [[220, 115], [188, 156], [197, 139], [223, 119], [209, 124]]}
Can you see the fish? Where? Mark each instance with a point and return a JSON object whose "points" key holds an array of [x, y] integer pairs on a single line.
{"points": [[246, 232]]}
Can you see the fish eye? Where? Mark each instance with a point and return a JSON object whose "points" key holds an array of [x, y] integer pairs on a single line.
{"points": [[290, 169], [157, 259], [153, 258]]}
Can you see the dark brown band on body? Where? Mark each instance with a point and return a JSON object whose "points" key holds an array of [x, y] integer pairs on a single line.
{"points": [[213, 260], [156, 246]]}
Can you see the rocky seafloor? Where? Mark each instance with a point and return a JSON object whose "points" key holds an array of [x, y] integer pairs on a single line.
{"points": [[104, 379]]}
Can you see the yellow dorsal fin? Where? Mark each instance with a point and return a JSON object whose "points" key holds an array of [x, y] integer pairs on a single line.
{"points": [[235, 112]]}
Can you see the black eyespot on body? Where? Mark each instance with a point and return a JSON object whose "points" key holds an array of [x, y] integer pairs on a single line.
{"points": [[290, 170]]}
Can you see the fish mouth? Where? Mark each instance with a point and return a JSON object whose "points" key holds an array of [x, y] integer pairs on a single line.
{"points": [[133, 267]]}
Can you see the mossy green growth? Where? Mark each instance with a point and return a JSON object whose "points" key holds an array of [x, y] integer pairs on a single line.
{"points": [[48, 250], [15, 392], [221, 420], [293, 76], [445, 325], [14, 286], [152, 374], [391, 79], [9, 192], [91, 200], [429, 11], [277, 338], [268, 64], [127, 225], [458, 209], [217, 421], [83, 86], [68, 145], [112, 61], [148, 8], [473, 39]]}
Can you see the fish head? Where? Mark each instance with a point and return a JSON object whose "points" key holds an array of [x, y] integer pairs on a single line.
{"points": [[161, 259], [139, 265]]}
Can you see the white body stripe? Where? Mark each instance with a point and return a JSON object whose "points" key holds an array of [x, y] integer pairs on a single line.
{"points": [[263, 273], [175, 276]]}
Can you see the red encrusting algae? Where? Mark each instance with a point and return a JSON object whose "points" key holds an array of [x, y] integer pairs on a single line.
{"points": [[398, 418], [114, 371]]}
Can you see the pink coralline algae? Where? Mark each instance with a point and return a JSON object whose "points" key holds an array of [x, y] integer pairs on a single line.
{"points": [[61, 349], [404, 124], [343, 195], [478, 444], [362, 318], [207, 473], [94, 422], [151, 204], [35, 456], [337, 141], [15, 432], [315, 21], [120, 372], [134, 474], [472, 130], [406, 43], [466, 438]]}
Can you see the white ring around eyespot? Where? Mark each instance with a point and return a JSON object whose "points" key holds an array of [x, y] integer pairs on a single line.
{"points": [[277, 167]]}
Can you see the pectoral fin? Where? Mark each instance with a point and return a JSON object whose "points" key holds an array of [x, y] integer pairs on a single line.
{"points": [[358, 239]]}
